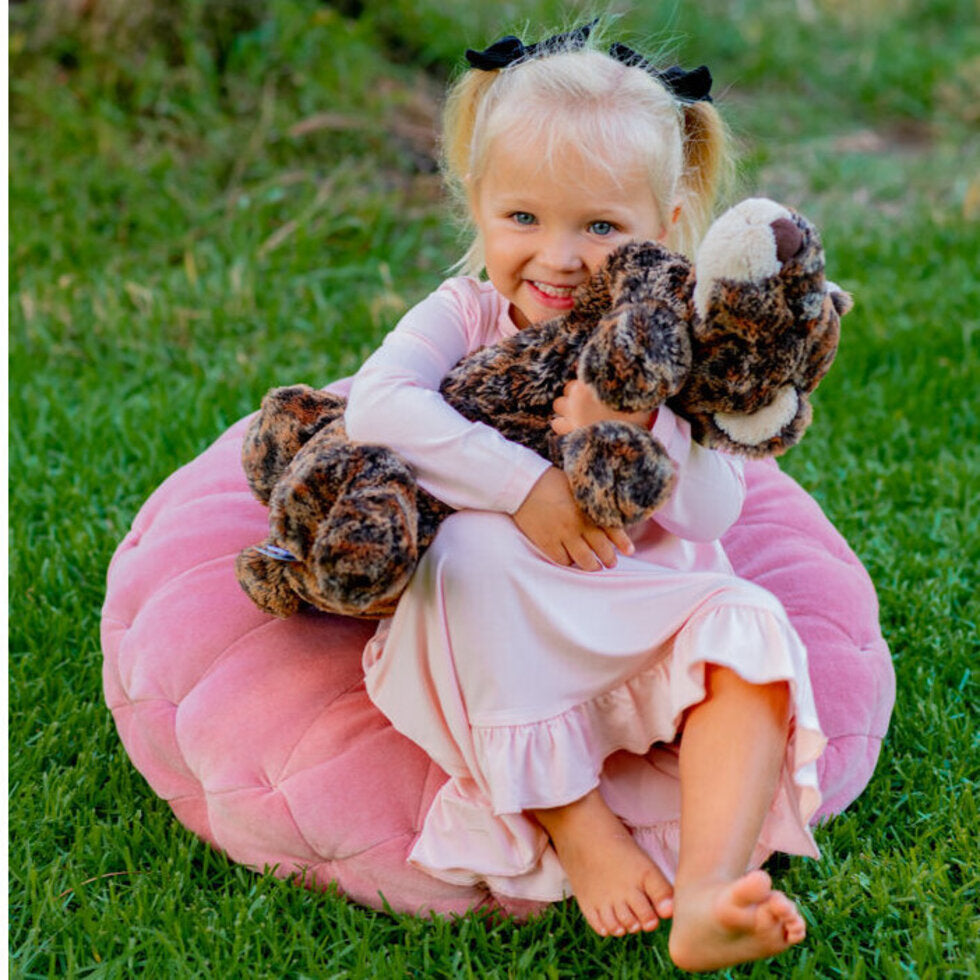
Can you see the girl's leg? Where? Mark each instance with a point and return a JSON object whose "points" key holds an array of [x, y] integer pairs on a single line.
{"points": [[731, 756], [617, 886]]}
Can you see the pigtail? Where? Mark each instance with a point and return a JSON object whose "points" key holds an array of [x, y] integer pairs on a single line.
{"points": [[707, 172], [458, 119], [458, 123]]}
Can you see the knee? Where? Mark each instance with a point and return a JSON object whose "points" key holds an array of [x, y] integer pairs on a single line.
{"points": [[774, 696]]}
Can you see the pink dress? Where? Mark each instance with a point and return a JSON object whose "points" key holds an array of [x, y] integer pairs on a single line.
{"points": [[531, 683]]}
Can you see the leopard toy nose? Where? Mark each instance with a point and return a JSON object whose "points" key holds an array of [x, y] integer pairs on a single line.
{"points": [[789, 238]]}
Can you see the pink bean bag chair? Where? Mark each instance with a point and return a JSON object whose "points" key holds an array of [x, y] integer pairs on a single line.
{"points": [[258, 731]]}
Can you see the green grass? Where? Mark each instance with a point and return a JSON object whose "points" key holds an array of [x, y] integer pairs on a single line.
{"points": [[178, 244]]}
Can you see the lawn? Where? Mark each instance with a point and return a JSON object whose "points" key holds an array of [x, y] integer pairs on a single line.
{"points": [[208, 199]]}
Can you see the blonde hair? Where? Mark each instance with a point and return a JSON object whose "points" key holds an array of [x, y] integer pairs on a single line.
{"points": [[609, 112]]}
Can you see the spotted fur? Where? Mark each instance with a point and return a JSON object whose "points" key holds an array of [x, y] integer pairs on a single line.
{"points": [[618, 472], [349, 515], [288, 419], [627, 330], [355, 522]]}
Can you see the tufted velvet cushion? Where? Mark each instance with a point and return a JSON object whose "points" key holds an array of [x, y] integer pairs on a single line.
{"points": [[259, 734]]}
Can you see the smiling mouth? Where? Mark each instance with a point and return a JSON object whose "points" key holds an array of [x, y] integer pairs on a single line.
{"points": [[555, 292]]}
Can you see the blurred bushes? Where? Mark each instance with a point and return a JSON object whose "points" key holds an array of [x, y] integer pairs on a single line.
{"points": [[120, 30], [882, 60], [878, 59]]}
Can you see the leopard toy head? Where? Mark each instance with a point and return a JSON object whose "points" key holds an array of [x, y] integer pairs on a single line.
{"points": [[765, 328]]}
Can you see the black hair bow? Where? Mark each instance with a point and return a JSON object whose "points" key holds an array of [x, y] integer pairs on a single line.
{"points": [[687, 86], [509, 49]]}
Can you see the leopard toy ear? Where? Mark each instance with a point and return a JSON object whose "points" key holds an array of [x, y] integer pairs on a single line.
{"points": [[288, 418], [842, 300]]}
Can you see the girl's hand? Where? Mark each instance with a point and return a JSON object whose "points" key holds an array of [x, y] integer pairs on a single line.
{"points": [[550, 519], [580, 405]]}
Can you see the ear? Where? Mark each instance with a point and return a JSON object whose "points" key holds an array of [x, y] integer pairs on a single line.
{"points": [[472, 188], [674, 218], [842, 300]]}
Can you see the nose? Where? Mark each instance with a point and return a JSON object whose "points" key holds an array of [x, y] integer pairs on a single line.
{"points": [[561, 253]]}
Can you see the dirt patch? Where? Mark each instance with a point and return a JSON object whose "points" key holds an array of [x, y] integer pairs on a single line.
{"points": [[905, 136], [410, 119]]}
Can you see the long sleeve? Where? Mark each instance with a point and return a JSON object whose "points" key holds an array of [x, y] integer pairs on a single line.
{"points": [[395, 402], [710, 487]]}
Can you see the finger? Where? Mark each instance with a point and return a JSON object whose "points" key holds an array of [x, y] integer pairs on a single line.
{"points": [[620, 539], [559, 555], [599, 542], [561, 426], [560, 405], [577, 395], [582, 555], [553, 550]]}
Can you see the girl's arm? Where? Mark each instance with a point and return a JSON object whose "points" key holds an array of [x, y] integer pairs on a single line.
{"points": [[710, 487], [395, 402]]}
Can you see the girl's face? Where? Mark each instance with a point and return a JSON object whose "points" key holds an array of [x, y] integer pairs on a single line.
{"points": [[545, 230]]}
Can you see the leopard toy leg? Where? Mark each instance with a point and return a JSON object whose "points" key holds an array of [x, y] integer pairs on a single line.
{"points": [[618, 472], [267, 580], [348, 516]]}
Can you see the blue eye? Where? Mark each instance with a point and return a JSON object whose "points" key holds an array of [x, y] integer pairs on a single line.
{"points": [[523, 217], [601, 228]]}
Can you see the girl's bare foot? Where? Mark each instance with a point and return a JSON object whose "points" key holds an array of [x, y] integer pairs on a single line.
{"points": [[722, 923], [617, 886]]}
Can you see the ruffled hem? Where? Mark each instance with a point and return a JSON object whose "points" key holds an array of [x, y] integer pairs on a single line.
{"points": [[559, 759], [471, 836], [464, 844]]}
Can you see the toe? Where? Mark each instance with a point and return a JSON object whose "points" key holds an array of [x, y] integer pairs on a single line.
{"points": [[739, 904], [595, 921], [782, 910], [794, 926], [643, 912], [751, 888], [782, 906], [611, 921], [660, 894], [624, 916]]}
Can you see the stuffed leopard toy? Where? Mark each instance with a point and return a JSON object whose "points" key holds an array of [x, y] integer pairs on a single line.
{"points": [[735, 343]]}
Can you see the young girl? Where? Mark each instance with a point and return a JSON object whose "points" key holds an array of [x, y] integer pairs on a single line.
{"points": [[619, 715]]}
